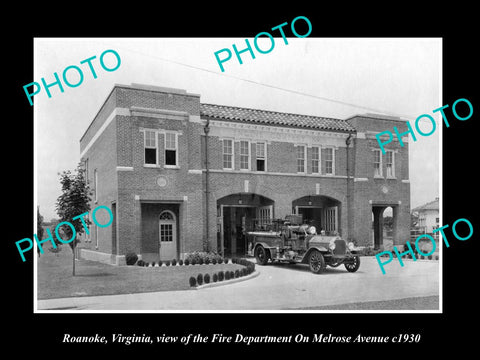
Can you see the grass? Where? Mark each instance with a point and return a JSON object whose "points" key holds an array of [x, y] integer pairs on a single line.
{"points": [[55, 279]]}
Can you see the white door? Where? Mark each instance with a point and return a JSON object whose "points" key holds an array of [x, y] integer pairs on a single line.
{"points": [[168, 235]]}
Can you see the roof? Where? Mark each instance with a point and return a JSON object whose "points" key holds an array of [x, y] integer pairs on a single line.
{"points": [[264, 117], [432, 205]]}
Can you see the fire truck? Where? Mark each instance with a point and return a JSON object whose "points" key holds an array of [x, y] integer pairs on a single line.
{"points": [[289, 240]]}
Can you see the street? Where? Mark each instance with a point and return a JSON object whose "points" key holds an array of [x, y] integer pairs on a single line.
{"points": [[278, 287]]}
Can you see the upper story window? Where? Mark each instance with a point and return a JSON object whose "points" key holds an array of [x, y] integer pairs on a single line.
{"points": [[227, 154], [328, 161], [244, 155], [315, 159], [261, 156], [171, 149], [377, 163], [390, 164], [150, 145], [300, 158]]}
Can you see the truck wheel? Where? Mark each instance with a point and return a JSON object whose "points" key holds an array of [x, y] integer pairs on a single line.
{"points": [[261, 255], [316, 262], [354, 265]]}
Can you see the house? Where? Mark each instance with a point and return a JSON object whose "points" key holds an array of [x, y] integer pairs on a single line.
{"points": [[428, 216], [181, 176]]}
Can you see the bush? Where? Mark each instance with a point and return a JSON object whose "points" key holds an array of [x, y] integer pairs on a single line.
{"points": [[430, 257], [193, 281], [207, 261], [187, 262], [131, 258], [153, 263], [167, 263], [225, 260], [232, 274], [206, 278], [227, 275], [174, 262], [180, 262], [160, 263], [436, 257], [234, 260], [141, 263], [199, 279], [214, 261], [237, 273], [203, 255], [200, 261], [215, 277], [193, 262], [221, 275], [422, 257]]}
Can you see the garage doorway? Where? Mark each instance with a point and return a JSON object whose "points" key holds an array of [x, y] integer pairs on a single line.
{"points": [[236, 215]]}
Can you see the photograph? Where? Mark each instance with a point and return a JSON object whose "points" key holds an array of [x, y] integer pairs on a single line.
{"points": [[220, 174]]}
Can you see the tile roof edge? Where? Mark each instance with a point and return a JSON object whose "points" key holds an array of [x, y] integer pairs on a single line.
{"points": [[273, 111]]}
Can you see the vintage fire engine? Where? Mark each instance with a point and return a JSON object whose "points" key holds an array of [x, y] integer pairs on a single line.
{"points": [[288, 240]]}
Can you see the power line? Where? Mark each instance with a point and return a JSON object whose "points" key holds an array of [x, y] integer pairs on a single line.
{"points": [[381, 111]]}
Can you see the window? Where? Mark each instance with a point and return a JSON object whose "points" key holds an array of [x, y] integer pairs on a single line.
{"points": [[377, 163], [95, 185], [390, 164], [315, 159], [166, 232], [331, 219], [260, 154], [150, 145], [170, 149], [301, 158], [86, 171], [328, 161], [227, 154], [244, 155]]}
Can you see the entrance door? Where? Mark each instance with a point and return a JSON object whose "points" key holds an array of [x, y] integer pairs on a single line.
{"points": [[168, 235]]}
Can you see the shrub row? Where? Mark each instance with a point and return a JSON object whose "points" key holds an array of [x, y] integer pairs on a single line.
{"points": [[200, 279], [203, 257], [417, 256], [174, 262]]}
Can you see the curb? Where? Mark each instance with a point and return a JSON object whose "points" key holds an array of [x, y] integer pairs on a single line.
{"points": [[227, 282]]}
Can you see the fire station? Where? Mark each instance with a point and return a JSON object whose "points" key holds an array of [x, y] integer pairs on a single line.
{"points": [[180, 175]]}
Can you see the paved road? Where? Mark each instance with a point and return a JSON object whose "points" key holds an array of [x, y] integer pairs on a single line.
{"points": [[279, 287]]}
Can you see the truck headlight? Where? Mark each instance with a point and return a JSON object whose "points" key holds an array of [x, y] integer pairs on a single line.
{"points": [[351, 246], [331, 245]]}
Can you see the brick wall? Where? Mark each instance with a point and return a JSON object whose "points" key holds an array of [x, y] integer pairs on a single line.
{"points": [[137, 193], [102, 158]]}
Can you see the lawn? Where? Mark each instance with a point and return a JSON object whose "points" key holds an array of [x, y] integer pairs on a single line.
{"points": [[55, 278]]}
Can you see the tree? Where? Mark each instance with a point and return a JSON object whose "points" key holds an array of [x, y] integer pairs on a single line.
{"points": [[39, 227], [74, 201]]}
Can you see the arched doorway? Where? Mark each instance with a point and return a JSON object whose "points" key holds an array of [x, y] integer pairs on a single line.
{"points": [[236, 215], [321, 211], [167, 235], [384, 226]]}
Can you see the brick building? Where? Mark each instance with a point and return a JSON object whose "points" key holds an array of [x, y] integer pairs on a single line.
{"points": [[181, 176]]}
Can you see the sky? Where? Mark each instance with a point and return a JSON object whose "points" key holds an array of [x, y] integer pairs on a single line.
{"points": [[331, 77]]}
